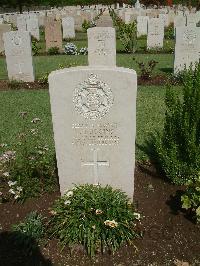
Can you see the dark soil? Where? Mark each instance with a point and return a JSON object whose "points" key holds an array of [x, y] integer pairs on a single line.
{"points": [[168, 233], [6, 85]]}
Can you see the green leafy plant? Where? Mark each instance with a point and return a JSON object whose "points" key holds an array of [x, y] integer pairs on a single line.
{"points": [[29, 168], [99, 218], [169, 32], [35, 47], [86, 25], [44, 78], [191, 198], [178, 146], [30, 232], [146, 69], [53, 50], [128, 36]]}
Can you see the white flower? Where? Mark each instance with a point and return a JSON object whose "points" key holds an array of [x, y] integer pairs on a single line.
{"points": [[67, 202], [6, 174], [2, 145], [35, 120], [16, 196], [1, 193], [111, 224], [69, 194], [137, 215], [10, 183], [11, 191], [19, 189]]}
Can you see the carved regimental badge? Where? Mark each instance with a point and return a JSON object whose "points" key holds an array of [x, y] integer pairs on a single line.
{"points": [[93, 98]]}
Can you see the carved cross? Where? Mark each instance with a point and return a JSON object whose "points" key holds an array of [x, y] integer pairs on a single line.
{"points": [[95, 163]]}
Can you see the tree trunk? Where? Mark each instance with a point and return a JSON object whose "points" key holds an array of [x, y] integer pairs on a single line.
{"points": [[20, 6]]}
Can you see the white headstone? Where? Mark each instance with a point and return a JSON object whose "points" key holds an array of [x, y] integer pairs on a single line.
{"points": [[94, 121], [1, 20], [142, 23], [155, 33], [179, 21], [3, 28], [33, 26], [187, 48], [21, 22], [18, 52], [68, 28], [101, 46]]}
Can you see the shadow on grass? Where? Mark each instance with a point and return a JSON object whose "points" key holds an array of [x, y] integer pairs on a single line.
{"points": [[168, 70], [15, 253]]}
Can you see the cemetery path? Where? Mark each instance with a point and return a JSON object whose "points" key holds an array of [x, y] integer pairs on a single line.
{"points": [[169, 236]]}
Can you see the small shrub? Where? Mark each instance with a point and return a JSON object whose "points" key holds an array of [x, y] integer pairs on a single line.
{"points": [[146, 69], [14, 84], [128, 36], [169, 32], [178, 146], [29, 233], [53, 50], [87, 24], [191, 198], [29, 167], [99, 218], [35, 47], [44, 78], [71, 49]]}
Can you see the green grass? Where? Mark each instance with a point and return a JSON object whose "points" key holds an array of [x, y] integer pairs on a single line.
{"points": [[150, 114]]}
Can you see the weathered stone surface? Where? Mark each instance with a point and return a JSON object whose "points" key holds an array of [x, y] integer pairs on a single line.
{"points": [[68, 28], [18, 52], [101, 46], [155, 33], [142, 22], [187, 48], [53, 33], [3, 28]]}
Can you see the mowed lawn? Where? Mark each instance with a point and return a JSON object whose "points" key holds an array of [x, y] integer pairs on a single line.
{"points": [[150, 114]]}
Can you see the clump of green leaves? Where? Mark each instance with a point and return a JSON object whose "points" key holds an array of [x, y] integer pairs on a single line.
{"points": [[29, 167], [146, 69], [169, 32], [86, 25], [35, 47], [29, 232], [53, 51], [191, 198], [178, 147], [128, 36], [99, 218]]}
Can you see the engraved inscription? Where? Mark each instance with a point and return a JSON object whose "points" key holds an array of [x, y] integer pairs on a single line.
{"points": [[189, 37], [100, 134], [93, 98]]}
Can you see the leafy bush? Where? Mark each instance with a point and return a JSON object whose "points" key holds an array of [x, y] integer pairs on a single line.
{"points": [[87, 24], [28, 167], [53, 50], [146, 69], [99, 218], [128, 36], [44, 78], [29, 232], [178, 147], [191, 198], [169, 32], [35, 47], [71, 49]]}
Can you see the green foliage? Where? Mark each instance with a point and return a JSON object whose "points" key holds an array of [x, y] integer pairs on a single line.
{"points": [[191, 198], [169, 32], [35, 47], [146, 69], [29, 165], [178, 147], [53, 51], [99, 218], [44, 78], [29, 233], [86, 25], [127, 33]]}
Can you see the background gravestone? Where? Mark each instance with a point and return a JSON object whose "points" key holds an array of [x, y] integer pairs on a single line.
{"points": [[68, 28], [3, 28], [155, 34], [18, 52], [94, 122], [142, 22], [53, 33], [101, 46], [187, 48]]}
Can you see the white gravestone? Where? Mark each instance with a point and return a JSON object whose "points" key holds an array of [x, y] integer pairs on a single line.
{"points": [[155, 34], [187, 48], [18, 52], [179, 21], [94, 122], [21, 22], [142, 22], [102, 46], [1, 20], [33, 26], [68, 28], [3, 28]]}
